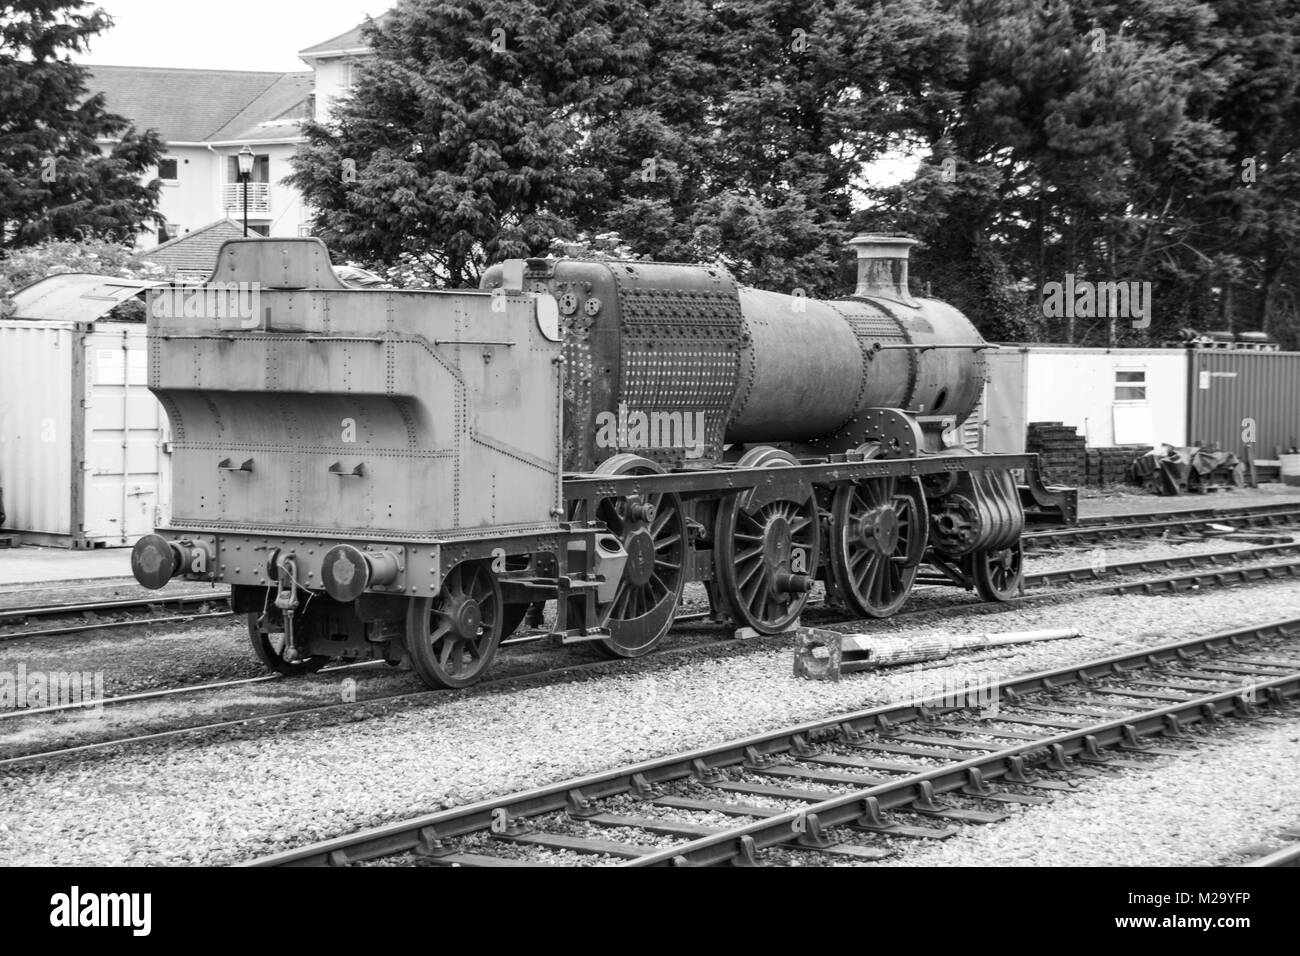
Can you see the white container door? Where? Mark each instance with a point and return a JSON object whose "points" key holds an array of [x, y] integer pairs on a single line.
{"points": [[124, 432], [36, 425]]}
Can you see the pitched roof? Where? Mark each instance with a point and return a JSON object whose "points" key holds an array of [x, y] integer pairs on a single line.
{"points": [[195, 251], [194, 106], [282, 101], [348, 40]]}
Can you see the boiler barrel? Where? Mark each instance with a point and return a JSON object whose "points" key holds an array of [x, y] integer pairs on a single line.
{"points": [[801, 372], [811, 365]]}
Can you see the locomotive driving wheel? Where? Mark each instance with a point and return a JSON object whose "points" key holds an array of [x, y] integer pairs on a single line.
{"points": [[452, 639], [998, 575], [765, 559], [652, 530], [878, 535], [270, 647]]}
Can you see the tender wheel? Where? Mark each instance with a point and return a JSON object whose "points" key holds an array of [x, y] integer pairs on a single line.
{"points": [[652, 530], [999, 575], [452, 639], [765, 560], [878, 536], [269, 649]]}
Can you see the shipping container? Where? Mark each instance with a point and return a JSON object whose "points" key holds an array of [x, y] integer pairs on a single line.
{"points": [[1234, 396], [1111, 396], [83, 442]]}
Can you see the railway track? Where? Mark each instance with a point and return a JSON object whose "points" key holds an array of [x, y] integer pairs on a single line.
{"points": [[857, 785], [1171, 584], [1208, 559], [1090, 530], [1141, 517], [1101, 528], [190, 605]]}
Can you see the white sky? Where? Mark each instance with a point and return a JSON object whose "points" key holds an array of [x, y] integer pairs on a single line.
{"points": [[228, 34]]}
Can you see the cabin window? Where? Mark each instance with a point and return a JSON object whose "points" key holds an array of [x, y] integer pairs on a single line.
{"points": [[1131, 386]]}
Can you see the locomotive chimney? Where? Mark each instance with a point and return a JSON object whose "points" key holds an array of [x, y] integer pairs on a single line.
{"points": [[882, 267]]}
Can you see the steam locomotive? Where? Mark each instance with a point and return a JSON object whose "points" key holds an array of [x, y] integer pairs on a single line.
{"points": [[386, 474]]}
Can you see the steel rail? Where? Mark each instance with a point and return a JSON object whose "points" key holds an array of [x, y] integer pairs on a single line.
{"points": [[162, 692], [1287, 856], [125, 604], [1189, 514], [426, 832], [261, 679], [1090, 534], [177, 732], [111, 625], [1171, 562], [1180, 582]]}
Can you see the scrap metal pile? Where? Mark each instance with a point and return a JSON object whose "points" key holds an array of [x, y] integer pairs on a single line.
{"points": [[1175, 471]]}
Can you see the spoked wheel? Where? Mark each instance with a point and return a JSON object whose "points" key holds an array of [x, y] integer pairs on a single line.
{"points": [[452, 639], [878, 535], [269, 649], [999, 574], [652, 530], [765, 559]]}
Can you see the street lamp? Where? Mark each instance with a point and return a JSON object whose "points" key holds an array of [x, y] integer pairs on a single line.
{"points": [[245, 171]]}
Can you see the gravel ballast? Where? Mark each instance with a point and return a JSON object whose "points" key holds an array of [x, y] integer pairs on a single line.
{"points": [[1229, 793], [229, 799]]}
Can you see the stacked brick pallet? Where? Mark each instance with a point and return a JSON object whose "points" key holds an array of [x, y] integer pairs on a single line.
{"points": [[1062, 452], [1066, 458], [1109, 466]]}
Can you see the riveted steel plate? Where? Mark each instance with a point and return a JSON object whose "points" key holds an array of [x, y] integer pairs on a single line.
{"points": [[681, 352]]}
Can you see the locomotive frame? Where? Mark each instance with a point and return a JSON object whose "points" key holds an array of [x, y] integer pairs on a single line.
{"points": [[438, 581]]}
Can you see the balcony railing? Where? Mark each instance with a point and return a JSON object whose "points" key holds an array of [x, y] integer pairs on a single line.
{"points": [[259, 200]]}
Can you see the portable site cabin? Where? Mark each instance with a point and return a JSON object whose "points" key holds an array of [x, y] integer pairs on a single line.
{"points": [[1151, 397], [1112, 396]]}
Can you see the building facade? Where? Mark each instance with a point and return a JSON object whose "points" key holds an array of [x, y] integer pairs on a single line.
{"points": [[207, 117]]}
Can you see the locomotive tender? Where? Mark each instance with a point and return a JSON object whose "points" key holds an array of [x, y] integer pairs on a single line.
{"points": [[400, 475]]}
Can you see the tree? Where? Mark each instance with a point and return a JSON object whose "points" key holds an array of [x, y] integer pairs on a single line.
{"points": [[460, 137], [1034, 159], [55, 182], [755, 118], [694, 129], [1105, 139]]}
